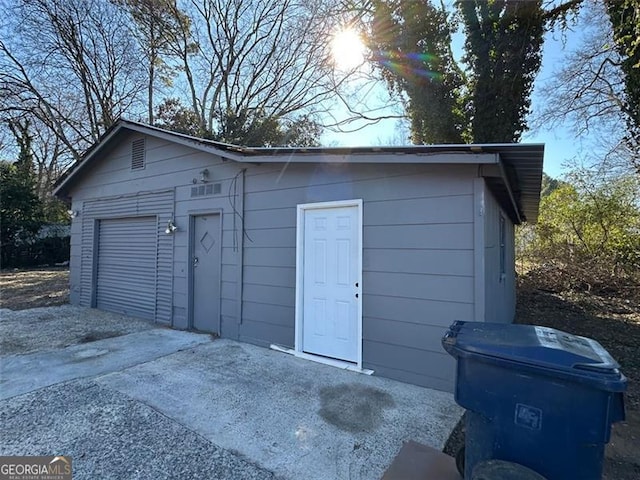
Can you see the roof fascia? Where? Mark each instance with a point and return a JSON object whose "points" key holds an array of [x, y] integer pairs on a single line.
{"points": [[182, 140], [497, 170], [505, 179], [376, 157]]}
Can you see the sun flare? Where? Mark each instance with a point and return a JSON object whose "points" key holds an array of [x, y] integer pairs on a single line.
{"points": [[348, 49]]}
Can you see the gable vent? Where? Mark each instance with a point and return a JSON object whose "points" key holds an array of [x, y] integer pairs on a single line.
{"points": [[137, 154]]}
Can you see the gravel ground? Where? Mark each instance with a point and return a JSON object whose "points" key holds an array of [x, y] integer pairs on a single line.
{"points": [[28, 331], [615, 322], [86, 421]]}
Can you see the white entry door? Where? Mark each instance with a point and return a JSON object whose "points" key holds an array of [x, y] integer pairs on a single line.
{"points": [[331, 259]]}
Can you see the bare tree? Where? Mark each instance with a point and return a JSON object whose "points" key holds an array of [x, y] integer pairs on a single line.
{"points": [[257, 60], [72, 64], [155, 26], [589, 92], [51, 157], [24, 97]]}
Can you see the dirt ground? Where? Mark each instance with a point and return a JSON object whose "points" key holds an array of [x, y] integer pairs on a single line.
{"points": [[613, 321], [22, 289]]}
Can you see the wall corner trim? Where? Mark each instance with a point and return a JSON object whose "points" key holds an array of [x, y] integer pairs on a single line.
{"points": [[478, 250]]}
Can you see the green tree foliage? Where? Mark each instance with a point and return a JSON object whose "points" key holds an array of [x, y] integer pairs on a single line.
{"points": [[503, 51], [55, 210], [24, 164], [21, 212], [549, 185], [171, 114], [240, 127], [588, 233], [625, 20], [52, 209], [300, 132], [412, 46], [254, 129]]}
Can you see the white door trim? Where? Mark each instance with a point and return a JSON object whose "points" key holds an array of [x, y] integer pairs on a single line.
{"points": [[301, 209]]}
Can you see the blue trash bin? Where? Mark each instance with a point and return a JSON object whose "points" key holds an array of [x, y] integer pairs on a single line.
{"points": [[535, 396]]}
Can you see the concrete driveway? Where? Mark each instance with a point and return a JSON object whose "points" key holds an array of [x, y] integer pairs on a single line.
{"points": [[158, 403]]}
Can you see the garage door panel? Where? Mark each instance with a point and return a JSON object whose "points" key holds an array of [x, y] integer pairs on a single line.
{"points": [[133, 253], [126, 303], [117, 277], [139, 296], [126, 267], [130, 310], [141, 289]]}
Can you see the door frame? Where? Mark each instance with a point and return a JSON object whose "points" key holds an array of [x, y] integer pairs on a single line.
{"points": [[190, 249], [299, 308]]}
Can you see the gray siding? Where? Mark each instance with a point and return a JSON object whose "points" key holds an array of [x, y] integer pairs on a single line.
{"points": [[417, 258], [500, 290], [419, 267], [108, 189]]}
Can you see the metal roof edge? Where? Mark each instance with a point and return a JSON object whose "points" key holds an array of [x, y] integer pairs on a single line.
{"points": [[391, 156], [398, 149], [210, 146], [525, 158]]}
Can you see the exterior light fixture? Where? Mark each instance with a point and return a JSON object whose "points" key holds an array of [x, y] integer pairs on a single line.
{"points": [[204, 175], [171, 227], [73, 213]]}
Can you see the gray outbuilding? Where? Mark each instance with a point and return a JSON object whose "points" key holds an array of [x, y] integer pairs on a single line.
{"points": [[357, 257]]}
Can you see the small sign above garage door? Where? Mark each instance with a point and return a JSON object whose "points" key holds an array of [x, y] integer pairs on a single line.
{"points": [[126, 266]]}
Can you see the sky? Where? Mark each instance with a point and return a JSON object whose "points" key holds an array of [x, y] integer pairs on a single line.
{"points": [[561, 145]]}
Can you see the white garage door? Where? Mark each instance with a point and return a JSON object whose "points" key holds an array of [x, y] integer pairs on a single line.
{"points": [[126, 276]]}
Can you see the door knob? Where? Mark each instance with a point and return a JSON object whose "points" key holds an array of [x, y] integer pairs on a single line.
{"points": [[195, 261]]}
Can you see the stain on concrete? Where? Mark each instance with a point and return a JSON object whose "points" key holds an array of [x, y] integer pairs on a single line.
{"points": [[10, 346], [353, 407], [95, 336]]}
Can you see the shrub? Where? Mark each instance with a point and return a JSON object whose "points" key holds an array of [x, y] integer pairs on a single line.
{"points": [[587, 236]]}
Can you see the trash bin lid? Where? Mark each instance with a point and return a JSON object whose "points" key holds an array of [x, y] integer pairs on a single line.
{"points": [[542, 347]]}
